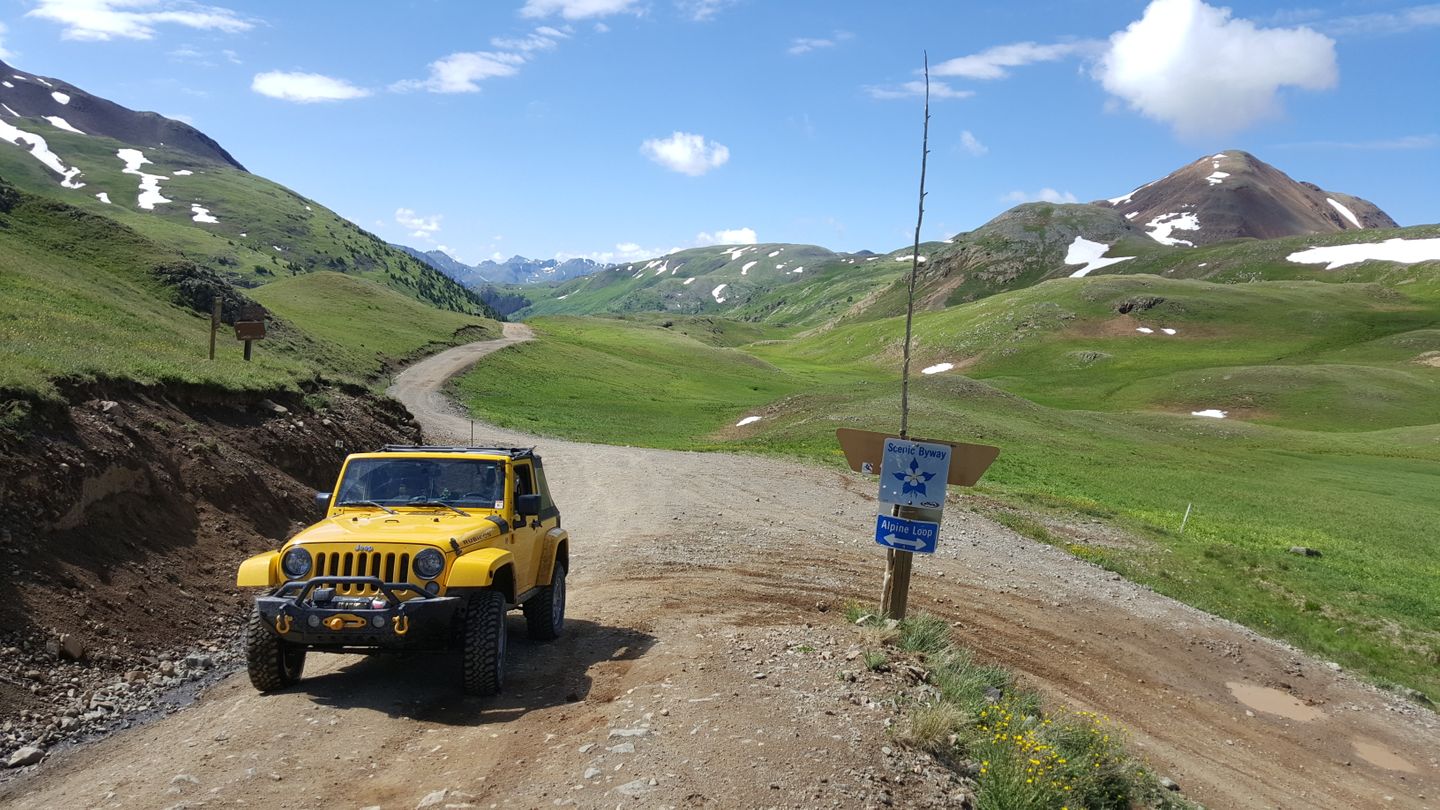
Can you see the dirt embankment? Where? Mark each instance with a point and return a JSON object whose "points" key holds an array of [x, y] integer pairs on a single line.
{"points": [[125, 513]]}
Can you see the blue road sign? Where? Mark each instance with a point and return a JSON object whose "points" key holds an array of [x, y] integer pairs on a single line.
{"points": [[914, 473], [907, 535]]}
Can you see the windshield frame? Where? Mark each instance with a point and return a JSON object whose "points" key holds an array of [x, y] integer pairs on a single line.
{"points": [[421, 478]]}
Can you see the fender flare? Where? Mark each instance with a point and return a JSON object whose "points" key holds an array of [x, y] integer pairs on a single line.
{"points": [[477, 569], [554, 539], [260, 571]]}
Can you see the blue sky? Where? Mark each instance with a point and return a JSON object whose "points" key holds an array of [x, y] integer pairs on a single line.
{"points": [[621, 128]]}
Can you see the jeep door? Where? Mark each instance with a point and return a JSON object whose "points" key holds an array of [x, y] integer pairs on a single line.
{"points": [[525, 536]]}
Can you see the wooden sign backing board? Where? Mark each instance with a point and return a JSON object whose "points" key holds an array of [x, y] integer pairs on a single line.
{"points": [[249, 330], [967, 463]]}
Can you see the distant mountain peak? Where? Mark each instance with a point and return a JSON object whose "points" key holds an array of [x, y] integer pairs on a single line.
{"points": [[30, 96], [1232, 194], [515, 270]]}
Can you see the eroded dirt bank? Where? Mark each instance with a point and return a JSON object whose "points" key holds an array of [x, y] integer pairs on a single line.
{"points": [[125, 513]]}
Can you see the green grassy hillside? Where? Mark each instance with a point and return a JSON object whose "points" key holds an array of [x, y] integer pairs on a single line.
{"points": [[81, 299], [1094, 424], [264, 231]]}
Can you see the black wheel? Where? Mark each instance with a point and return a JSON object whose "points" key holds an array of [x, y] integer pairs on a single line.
{"points": [[545, 611], [484, 643], [272, 662]]}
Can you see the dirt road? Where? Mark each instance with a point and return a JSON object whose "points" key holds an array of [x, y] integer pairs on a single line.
{"points": [[701, 670]]}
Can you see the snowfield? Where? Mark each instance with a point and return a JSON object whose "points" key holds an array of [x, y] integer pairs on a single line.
{"points": [[1162, 226], [202, 214], [1345, 212], [149, 183], [103, 197], [745, 269], [60, 123], [1403, 251], [41, 152], [1090, 254], [60, 97], [715, 293]]}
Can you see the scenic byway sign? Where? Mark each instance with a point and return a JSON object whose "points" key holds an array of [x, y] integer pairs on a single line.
{"points": [[914, 473], [906, 535]]}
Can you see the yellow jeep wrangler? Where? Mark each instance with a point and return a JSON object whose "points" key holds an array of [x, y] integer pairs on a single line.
{"points": [[421, 548]]}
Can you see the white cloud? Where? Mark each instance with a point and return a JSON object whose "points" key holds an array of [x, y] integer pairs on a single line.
{"points": [[543, 38], [916, 89], [1403, 142], [134, 19], [733, 236], [461, 72], [1394, 22], [4, 54], [972, 144], [305, 87], [602, 28], [991, 62], [686, 153], [801, 45], [703, 10], [623, 252], [423, 228], [1194, 67], [577, 9], [1047, 194]]}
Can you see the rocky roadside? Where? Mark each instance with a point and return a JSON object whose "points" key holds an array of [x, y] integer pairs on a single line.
{"points": [[82, 698]]}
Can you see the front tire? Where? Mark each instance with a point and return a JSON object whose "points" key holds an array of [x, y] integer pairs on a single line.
{"points": [[545, 611], [483, 668], [272, 662]]}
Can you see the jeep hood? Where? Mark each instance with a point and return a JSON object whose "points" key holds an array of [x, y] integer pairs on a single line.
{"points": [[420, 528]]}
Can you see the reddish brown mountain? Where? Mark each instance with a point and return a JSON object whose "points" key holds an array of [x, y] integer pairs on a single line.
{"points": [[1235, 194]]}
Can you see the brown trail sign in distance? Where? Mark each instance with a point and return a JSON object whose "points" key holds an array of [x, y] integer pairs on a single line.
{"points": [[250, 326]]}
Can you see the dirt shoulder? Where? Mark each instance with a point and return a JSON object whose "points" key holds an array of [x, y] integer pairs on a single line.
{"points": [[700, 669]]}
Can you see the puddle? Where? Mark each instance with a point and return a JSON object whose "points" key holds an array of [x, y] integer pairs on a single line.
{"points": [[1273, 701], [1380, 756]]}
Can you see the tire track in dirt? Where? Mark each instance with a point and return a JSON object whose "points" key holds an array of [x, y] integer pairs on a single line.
{"points": [[693, 573]]}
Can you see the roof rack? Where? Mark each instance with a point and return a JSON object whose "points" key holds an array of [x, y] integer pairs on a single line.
{"points": [[513, 452]]}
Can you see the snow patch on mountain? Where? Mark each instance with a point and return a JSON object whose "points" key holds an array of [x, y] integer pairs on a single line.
{"points": [[1402, 251], [40, 150], [202, 214], [150, 194], [60, 123], [1162, 226], [715, 293], [745, 269], [1344, 212], [60, 97], [183, 173], [1090, 254], [1213, 413], [747, 421], [1217, 177]]}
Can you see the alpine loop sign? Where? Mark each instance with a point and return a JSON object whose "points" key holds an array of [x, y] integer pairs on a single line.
{"points": [[907, 535], [914, 473]]}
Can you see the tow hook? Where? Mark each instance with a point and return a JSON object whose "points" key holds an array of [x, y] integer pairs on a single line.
{"points": [[283, 623], [401, 624]]}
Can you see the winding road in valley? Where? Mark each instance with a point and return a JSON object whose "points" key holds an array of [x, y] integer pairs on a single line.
{"points": [[705, 665]]}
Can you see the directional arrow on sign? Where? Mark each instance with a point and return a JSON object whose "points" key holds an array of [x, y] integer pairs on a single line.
{"points": [[906, 542]]}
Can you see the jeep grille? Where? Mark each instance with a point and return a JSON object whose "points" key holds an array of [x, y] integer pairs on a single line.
{"points": [[388, 566]]}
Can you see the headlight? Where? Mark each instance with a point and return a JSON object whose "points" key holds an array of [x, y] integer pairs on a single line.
{"points": [[296, 563], [429, 563]]}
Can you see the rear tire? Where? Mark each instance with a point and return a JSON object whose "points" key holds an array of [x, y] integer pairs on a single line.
{"points": [[545, 611], [483, 667], [272, 662]]}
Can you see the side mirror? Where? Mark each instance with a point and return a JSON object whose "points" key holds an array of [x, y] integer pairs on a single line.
{"points": [[322, 502], [528, 505]]}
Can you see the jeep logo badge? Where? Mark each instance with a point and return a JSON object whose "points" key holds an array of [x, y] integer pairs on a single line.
{"points": [[364, 548]]}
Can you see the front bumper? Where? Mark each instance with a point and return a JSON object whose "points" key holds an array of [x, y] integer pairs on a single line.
{"points": [[300, 613]]}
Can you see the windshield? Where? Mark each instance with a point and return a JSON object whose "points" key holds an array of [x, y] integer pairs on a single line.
{"points": [[477, 483]]}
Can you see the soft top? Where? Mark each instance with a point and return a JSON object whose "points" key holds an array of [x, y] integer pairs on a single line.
{"points": [[512, 452]]}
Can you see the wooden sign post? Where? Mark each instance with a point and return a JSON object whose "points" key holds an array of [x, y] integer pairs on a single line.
{"points": [[865, 452], [251, 326]]}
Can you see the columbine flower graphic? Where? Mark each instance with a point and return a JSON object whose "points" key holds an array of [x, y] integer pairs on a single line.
{"points": [[913, 481]]}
